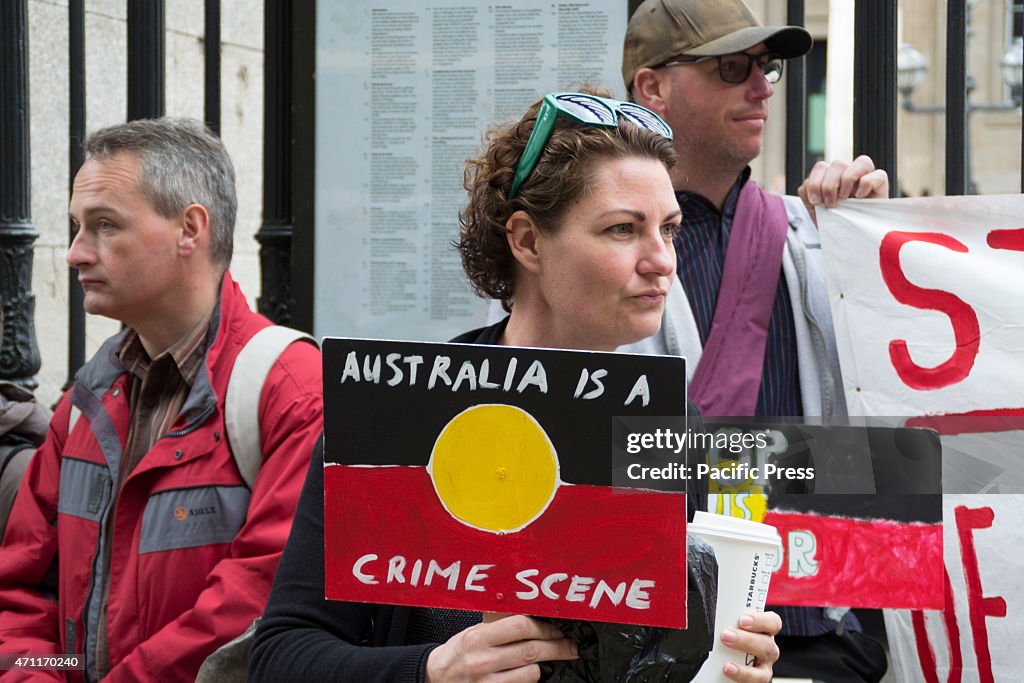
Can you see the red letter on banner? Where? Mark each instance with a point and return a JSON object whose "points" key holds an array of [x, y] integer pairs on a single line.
{"points": [[925, 653], [1011, 240], [968, 519], [966, 330]]}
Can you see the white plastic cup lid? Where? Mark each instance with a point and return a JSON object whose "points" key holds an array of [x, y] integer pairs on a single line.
{"points": [[733, 527]]}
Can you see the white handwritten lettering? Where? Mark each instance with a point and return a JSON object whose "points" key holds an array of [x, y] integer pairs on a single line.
{"points": [[467, 373], [357, 569], [641, 390], [535, 376], [440, 370]]}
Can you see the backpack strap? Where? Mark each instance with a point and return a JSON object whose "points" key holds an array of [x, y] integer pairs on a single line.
{"points": [[245, 385]]}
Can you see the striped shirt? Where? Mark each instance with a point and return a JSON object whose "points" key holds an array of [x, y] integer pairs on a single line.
{"points": [[159, 387], [700, 250]]}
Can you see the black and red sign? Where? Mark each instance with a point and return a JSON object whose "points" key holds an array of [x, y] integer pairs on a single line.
{"points": [[480, 478]]}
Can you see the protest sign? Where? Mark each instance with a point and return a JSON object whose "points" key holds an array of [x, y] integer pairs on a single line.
{"points": [[479, 477], [929, 318], [871, 533], [873, 551], [928, 315]]}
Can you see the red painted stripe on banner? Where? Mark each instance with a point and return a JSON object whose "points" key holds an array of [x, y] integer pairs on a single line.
{"points": [[857, 563], [617, 536], [1012, 239], [972, 422]]}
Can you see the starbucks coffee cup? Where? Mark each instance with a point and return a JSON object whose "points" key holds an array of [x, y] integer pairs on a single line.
{"points": [[746, 552]]}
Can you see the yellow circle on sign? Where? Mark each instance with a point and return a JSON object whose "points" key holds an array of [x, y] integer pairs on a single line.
{"points": [[494, 468]]}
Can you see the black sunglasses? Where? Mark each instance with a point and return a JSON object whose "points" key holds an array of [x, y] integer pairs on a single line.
{"points": [[735, 68]]}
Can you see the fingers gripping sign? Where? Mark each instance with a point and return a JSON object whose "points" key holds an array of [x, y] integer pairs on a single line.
{"points": [[829, 183], [508, 649]]}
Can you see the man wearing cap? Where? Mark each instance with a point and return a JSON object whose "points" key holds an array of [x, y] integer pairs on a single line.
{"points": [[750, 307]]}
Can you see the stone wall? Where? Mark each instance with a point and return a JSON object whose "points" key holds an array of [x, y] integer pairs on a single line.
{"points": [[106, 104]]}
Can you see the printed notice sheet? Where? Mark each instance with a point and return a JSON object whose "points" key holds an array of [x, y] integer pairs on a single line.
{"points": [[405, 92]]}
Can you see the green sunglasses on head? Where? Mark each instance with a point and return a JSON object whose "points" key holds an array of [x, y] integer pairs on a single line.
{"points": [[583, 108]]}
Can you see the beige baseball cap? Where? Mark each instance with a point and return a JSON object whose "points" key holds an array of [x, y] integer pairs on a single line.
{"points": [[662, 29]]}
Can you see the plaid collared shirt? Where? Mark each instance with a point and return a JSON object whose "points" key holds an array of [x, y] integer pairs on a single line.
{"points": [[159, 388]]}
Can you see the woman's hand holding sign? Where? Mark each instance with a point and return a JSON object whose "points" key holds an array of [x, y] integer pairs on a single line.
{"points": [[508, 649]]}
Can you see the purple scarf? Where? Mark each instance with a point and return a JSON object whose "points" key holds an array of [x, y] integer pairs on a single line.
{"points": [[728, 376]]}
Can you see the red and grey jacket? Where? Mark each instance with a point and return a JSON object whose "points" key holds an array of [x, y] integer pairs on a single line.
{"points": [[192, 552]]}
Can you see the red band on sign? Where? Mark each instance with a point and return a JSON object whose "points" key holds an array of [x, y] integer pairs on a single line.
{"points": [[857, 563], [597, 553]]}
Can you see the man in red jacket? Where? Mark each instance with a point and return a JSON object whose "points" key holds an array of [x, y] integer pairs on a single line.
{"points": [[134, 540]]}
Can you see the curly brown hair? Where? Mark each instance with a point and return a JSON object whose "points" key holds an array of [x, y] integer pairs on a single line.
{"points": [[564, 172]]}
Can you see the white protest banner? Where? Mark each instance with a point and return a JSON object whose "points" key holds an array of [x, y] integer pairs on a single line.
{"points": [[976, 639], [926, 296], [929, 323]]}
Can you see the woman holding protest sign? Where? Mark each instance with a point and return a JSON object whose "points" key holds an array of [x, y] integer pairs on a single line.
{"points": [[570, 222]]}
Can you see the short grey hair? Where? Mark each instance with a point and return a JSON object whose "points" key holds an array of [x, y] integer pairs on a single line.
{"points": [[180, 163]]}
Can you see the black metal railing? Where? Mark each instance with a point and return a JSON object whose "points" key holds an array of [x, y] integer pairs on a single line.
{"points": [[19, 352], [956, 97], [287, 235], [275, 233], [796, 107], [874, 84], [76, 155], [145, 59], [211, 72]]}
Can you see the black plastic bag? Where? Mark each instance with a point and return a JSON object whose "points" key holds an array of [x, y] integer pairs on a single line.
{"points": [[625, 653]]}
